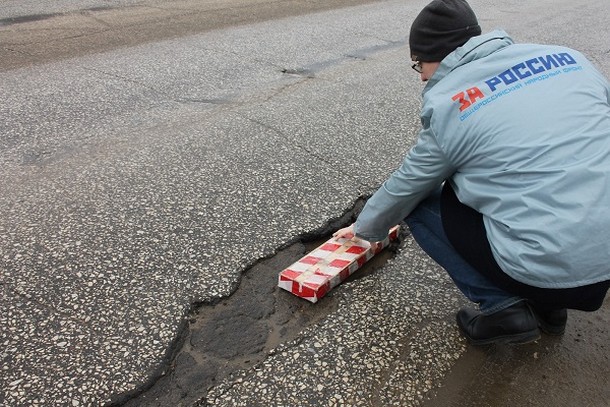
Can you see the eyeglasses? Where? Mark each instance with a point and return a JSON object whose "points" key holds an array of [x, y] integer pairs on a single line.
{"points": [[417, 67]]}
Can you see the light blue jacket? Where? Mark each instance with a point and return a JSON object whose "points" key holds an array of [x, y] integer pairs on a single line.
{"points": [[522, 132]]}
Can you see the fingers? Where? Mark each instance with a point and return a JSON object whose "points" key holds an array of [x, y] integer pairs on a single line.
{"points": [[347, 232]]}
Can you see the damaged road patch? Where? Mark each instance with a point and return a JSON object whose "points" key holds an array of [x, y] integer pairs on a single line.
{"points": [[239, 331]]}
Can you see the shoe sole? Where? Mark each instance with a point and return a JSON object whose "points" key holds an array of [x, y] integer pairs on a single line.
{"points": [[552, 330], [549, 329], [518, 339]]}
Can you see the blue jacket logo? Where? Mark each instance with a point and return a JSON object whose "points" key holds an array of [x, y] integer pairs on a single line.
{"points": [[518, 72]]}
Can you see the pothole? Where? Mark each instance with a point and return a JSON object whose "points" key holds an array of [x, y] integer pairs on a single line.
{"points": [[239, 331]]}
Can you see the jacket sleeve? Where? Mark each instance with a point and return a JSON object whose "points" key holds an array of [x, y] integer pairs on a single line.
{"points": [[422, 171]]}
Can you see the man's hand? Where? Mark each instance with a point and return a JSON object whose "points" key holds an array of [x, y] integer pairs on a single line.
{"points": [[348, 233]]}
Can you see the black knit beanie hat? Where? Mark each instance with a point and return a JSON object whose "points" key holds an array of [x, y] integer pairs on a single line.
{"points": [[440, 28]]}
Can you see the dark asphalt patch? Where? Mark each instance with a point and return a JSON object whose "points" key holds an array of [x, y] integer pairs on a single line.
{"points": [[27, 19], [41, 17]]}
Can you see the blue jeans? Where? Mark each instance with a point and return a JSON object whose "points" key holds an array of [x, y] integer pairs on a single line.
{"points": [[427, 229]]}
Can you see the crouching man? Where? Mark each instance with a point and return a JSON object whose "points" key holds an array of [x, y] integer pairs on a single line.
{"points": [[508, 184]]}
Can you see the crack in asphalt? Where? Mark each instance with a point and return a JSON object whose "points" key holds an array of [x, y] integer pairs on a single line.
{"points": [[296, 144]]}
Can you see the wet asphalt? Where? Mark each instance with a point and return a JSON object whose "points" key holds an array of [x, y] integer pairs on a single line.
{"points": [[159, 167]]}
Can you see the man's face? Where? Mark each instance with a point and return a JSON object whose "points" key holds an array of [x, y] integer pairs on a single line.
{"points": [[425, 69]]}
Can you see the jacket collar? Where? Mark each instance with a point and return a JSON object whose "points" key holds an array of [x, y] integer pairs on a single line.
{"points": [[476, 48]]}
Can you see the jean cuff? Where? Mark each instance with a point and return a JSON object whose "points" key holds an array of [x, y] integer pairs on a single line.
{"points": [[501, 305]]}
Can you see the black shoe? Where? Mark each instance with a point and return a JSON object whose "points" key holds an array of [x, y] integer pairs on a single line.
{"points": [[551, 322], [515, 324]]}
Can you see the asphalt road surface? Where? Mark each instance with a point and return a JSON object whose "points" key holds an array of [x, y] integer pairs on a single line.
{"points": [[161, 161]]}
